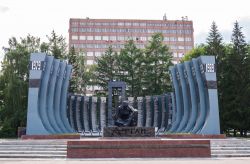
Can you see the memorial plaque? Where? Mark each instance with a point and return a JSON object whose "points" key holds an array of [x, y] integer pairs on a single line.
{"points": [[128, 132]]}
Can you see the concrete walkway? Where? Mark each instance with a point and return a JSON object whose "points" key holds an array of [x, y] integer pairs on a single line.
{"points": [[127, 160]]}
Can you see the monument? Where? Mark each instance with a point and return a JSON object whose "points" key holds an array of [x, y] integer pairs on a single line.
{"points": [[191, 107]]}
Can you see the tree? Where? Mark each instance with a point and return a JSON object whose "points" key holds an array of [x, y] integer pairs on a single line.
{"points": [[56, 46], [72, 59], [156, 63], [129, 68], [235, 83], [14, 84], [106, 69], [197, 51], [214, 42]]}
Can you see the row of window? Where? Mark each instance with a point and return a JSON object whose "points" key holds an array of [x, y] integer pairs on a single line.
{"points": [[122, 38], [142, 24], [104, 46], [98, 54], [124, 30], [119, 46]]}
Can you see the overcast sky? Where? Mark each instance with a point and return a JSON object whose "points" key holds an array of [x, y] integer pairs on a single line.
{"points": [[40, 17]]}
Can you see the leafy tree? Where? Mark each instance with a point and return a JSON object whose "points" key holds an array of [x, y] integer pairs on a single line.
{"points": [[156, 63], [14, 84], [106, 68], [195, 52], [129, 66]]}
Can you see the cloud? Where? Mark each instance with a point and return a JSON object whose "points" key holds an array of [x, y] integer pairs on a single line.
{"points": [[4, 9], [226, 33]]}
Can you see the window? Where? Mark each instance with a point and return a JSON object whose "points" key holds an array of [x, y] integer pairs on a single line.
{"points": [[120, 38], [90, 54], [188, 39], [143, 24], [127, 24], [181, 47], [98, 38], [120, 24], [135, 24], [166, 38], [74, 24], [143, 38], [105, 38], [97, 54], [82, 37], [173, 47], [90, 38], [180, 39], [112, 38], [90, 62], [172, 39], [74, 30], [74, 37]]}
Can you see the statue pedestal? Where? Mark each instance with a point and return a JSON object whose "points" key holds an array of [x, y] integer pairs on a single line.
{"points": [[128, 132]]}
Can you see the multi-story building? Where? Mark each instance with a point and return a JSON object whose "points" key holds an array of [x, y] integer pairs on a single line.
{"points": [[94, 36]]}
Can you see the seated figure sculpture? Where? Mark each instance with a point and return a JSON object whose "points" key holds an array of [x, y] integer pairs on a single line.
{"points": [[125, 115]]}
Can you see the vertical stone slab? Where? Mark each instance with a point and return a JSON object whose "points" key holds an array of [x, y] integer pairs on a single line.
{"points": [[163, 112], [81, 113], [185, 98], [177, 99], [156, 111], [202, 97], [57, 97], [34, 123], [212, 122], [140, 111], [42, 107], [78, 122], [103, 112], [86, 114], [148, 112], [71, 118], [51, 94], [193, 96], [63, 98], [94, 114]]}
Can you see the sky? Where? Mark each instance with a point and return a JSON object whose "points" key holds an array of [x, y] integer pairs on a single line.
{"points": [[19, 18]]}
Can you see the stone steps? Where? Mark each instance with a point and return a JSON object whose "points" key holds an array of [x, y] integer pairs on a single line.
{"points": [[33, 149], [230, 148]]}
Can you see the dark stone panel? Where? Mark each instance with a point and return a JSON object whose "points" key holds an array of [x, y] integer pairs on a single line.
{"points": [[34, 83], [211, 84], [128, 132]]}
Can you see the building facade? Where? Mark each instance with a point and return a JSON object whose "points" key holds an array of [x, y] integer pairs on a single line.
{"points": [[94, 36]]}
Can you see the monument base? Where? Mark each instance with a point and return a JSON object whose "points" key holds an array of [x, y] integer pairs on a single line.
{"points": [[138, 148], [128, 132]]}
